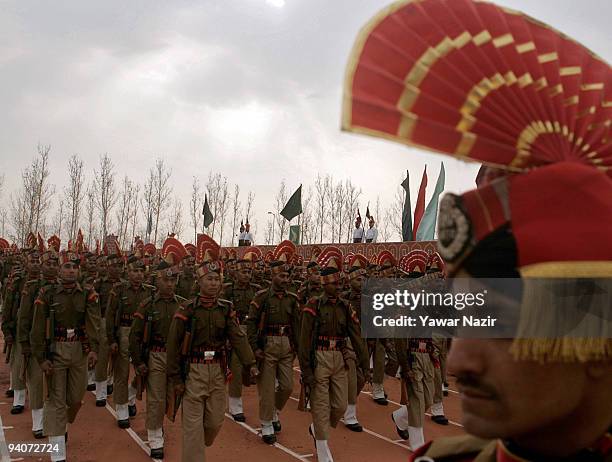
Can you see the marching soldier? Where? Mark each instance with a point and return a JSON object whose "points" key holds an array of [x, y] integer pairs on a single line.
{"points": [[33, 373], [148, 337], [64, 341], [124, 299], [187, 285], [259, 270], [109, 276], [87, 278], [327, 322], [10, 313], [240, 292], [197, 360], [273, 332], [356, 273]]}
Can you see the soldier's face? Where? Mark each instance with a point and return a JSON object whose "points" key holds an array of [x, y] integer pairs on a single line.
{"points": [[33, 265], [210, 284], [356, 282], [331, 289], [280, 280], [50, 268], [69, 272], [165, 284], [136, 275], [244, 275], [505, 398]]}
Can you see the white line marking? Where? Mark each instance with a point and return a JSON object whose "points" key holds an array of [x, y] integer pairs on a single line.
{"points": [[4, 452], [277, 445], [130, 432]]}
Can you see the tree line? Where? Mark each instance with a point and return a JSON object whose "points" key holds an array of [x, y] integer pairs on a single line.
{"points": [[99, 202]]}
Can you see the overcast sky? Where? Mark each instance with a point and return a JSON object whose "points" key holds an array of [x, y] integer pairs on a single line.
{"points": [[247, 88]]}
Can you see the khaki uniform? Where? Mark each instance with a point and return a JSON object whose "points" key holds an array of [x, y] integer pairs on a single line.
{"points": [[33, 372], [273, 327], [326, 325], [414, 357], [186, 286], [75, 314], [355, 379], [158, 314], [124, 299], [205, 372], [10, 314], [103, 287], [241, 297]]}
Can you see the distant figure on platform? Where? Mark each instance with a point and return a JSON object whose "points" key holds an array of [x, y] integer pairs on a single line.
{"points": [[358, 232], [245, 238], [372, 232]]}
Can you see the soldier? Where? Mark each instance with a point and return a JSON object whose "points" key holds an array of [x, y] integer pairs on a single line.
{"points": [[33, 373], [87, 278], [240, 292], [417, 369], [196, 355], [123, 301], [109, 275], [273, 332], [358, 232], [187, 284], [148, 337], [311, 287], [372, 233], [356, 273], [327, 323], [10, 313], [64, 341], [259, 269]]}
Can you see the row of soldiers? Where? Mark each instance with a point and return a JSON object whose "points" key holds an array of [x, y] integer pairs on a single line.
{"points": [[190, 321]]}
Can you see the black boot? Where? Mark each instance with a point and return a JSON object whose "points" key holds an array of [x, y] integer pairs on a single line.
{"points": [[355, 427], [100, 402], [403, 434], [9, 393], [157, 453], [38, 434], [123, 423], [132, 410], [91, 386], [269, 439], [277, 426], [439, 419], [109, 389], [17, 409]]}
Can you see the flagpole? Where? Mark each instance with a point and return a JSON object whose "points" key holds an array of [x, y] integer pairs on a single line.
{"points": [[299, 230]]}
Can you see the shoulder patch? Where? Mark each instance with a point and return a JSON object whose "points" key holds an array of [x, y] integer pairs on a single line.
{"points": [[179, 299]]}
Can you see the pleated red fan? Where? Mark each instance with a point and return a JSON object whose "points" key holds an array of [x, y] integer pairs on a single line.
{"points": [[479, 82]]}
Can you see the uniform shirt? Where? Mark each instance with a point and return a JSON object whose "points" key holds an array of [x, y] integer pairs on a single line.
{"points": [[26, 310], [270, 308], [241, 297], [74, 308], [358, 234], [246, 236], [161, 310], [325, 317], [214, 326], [104, 286], [124, 299], [187, 286], [371, 234], [12, 300]]}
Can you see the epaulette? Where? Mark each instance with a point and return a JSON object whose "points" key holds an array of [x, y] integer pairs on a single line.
{"points": [[261, 292], [183, 313], [312, 300], [227, 284], [307, 309], [293, 294], [462, 447], [255, 286], [149, 286]]}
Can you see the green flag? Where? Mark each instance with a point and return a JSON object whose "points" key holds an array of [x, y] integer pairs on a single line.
{"points": [[208, 216], [294, 234], [293, 207], [428, 222]]}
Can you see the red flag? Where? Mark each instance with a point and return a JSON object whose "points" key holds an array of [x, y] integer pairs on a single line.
{"points": [[420, 204]]}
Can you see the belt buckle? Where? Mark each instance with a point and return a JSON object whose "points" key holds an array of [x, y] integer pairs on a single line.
{"points": [[209, 355], [332, 343], [422, 346], [69, 333]]}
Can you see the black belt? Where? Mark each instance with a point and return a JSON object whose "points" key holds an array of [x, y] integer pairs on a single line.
{"points": [[205, 356], [278, 330], [331, 343]]}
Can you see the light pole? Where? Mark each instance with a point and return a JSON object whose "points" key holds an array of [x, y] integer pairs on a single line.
{"points": [[272, 213]]}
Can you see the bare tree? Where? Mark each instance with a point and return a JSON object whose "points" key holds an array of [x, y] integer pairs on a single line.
{"points": [[175, 220], [281, 200], [394, 212], [43, 189], [90, 211], [195, 206], [124, 211], [223, 208], [321, 191], [249, 204], [59, 221], [74, 194], [350, 207], [146, 203], [134, 210], [106, 192], [161, 193], [235, 210], [269, 238], [308, 230], [216, 187]]}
